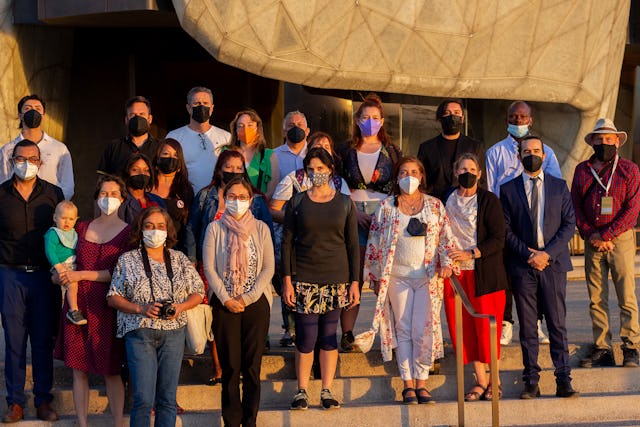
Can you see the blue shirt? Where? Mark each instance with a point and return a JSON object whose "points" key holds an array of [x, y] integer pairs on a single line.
{"points": [[288, 161], [503, 165]]}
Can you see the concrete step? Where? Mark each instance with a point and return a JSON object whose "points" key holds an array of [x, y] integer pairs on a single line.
{"points": [[277, 394]]}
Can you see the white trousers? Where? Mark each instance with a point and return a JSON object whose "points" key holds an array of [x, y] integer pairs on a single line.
{"points": [[411, 306]]}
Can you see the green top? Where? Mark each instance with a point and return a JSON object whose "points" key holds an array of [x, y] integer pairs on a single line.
{"points": [[261, 161], [54, 249]]}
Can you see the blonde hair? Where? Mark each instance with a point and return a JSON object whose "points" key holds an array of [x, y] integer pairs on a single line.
{"points": [[65, 204]]}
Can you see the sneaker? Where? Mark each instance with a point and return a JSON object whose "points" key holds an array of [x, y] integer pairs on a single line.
{"points": [[507, 333], [75, 317], [630, 357], [346, 343], [542, 338], [599, 357], [287, 340], [327, 400], [300, 400]]}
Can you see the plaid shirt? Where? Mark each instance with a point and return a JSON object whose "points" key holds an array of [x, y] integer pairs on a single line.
{"points": [[586, 194]]}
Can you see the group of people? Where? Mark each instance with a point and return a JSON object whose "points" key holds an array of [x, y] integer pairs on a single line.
{"points": [[216, 217]]}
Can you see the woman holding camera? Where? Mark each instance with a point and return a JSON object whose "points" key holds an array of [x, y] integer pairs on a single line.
{"points": [[151, 288], [238, 263]]}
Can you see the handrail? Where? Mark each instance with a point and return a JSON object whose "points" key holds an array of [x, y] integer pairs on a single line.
{"points": [[462, 299]]}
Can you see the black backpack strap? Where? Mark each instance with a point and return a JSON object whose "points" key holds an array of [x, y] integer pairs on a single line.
{"points": [[260, 171]]}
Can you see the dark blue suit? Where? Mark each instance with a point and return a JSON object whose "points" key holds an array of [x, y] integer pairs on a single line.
{"points": [[548, 285]]}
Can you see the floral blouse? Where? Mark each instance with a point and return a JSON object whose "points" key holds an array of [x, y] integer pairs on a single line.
{"points": [[382, 179], [130, 282]]}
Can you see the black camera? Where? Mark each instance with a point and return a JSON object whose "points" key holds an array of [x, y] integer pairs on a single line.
{"points": [[167, 310]]}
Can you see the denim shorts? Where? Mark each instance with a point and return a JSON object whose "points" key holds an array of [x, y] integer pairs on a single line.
{"points": [[369, 208]]}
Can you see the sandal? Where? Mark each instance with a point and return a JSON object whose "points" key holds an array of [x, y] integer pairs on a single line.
{"points": [[409, 400], [424, 398], [472, 396], [488, 394]]}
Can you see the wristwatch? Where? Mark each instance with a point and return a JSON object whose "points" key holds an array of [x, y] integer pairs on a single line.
{"points": [[473, 254]]}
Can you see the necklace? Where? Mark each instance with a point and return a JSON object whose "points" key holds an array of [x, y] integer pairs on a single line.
{"points": [[412, 205]]}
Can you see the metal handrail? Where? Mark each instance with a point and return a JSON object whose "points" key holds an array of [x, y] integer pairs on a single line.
{"points": [[462, 299]]}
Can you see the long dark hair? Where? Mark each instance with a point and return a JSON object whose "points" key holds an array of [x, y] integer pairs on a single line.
{"points": [[134, 158], [180, 187], [371, 100], [226, 155]]}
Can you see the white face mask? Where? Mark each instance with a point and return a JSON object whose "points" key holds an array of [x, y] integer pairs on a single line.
{"points": [[154, 238], [519, 131], [108, 205], [237, 207], [409, 184], [25, 170]]}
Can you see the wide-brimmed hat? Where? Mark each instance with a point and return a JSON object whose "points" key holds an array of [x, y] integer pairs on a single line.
{"points": [[605, 126]]}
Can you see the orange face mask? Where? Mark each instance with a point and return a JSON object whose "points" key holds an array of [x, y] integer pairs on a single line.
{"points": [[247, 135]]}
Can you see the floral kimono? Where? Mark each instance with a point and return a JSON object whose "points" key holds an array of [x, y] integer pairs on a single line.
{"points": [[378, 261]]}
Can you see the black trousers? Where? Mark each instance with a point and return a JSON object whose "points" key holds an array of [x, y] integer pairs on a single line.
{"points": [[241, 338]]}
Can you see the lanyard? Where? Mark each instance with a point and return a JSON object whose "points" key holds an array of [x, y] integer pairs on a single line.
{"points": [[597, 178]]}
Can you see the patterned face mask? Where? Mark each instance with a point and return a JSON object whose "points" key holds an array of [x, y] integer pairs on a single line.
{"points": [[319, 179]]}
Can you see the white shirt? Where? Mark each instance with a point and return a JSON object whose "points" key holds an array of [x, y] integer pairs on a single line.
{"points": [[284, 189], [288, 161], [201, 151], [502, 163], [56, 166], [408, 260], [463, 217], [528, 186]]}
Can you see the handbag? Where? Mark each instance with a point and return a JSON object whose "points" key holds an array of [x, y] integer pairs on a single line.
{"points": [[198, 331]]}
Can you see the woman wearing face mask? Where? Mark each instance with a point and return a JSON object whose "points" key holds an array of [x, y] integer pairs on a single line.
{"points": [[93, 348], [405, 261], [247, 136], [320, 267], [152, 287], [367, 168], [172, 185], [477, 222], [238, 263], [139, 178], [209, 205]]}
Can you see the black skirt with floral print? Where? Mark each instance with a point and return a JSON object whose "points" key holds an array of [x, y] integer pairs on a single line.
{"points": [[312, 298]]}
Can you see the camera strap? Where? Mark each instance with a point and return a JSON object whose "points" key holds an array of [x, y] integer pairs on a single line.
{"points": [[149, 273]]}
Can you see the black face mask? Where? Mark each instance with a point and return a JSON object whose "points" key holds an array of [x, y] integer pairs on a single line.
{"points": [[451, 124], [139, 182], [532, 163], [296, 134], [138, 126], [200, 113], [228, 176], [167, 164], [605, 152], [32, 119], [467, 179]]}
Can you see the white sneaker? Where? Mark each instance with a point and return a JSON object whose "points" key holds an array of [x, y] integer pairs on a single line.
{"points": [[542, 338], [507, 333]]}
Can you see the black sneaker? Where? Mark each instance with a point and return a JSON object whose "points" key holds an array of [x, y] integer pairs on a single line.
{"points": [[75, 317], [346, 343], [630, 357], [300, 400], [287, 340], [599, 357], [327, 400]]}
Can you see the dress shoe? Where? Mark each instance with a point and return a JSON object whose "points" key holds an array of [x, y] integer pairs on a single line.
{"points": [[531, 391], [46, 413], [565, 390], [599, 357], [630, 357], [14, 414]]}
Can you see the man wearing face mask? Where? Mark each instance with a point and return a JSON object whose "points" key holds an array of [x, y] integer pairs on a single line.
{"points": [[56, 166], [292, 152], [438, 154], [138, 121], [540, 222], [200, 140], [606, 198], [503, 165], [29, 302]]}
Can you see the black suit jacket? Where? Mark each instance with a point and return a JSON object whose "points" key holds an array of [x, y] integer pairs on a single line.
{"points": [[558, 225], [439, 170]]}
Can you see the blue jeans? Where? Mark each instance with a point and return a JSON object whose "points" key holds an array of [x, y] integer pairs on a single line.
{"points": [[154, 358], [369, 208]]}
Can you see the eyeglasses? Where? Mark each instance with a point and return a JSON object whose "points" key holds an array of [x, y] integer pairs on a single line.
{"points": [[203, 141], [233, 197], [22, 159]]}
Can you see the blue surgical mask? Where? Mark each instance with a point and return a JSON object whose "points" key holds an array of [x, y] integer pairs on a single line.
{"points": [[519, 131]]}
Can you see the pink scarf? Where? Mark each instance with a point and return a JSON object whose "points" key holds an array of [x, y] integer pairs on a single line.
{"points": [[239, 231]]}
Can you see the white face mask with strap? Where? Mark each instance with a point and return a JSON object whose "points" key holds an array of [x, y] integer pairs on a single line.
{"points": [[409, 184], [154, 238]]}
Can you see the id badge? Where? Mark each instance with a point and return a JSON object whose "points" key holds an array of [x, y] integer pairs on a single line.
{"points": [[606, 206]]}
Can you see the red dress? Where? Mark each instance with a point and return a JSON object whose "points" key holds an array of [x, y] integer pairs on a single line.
{"points": [[93, 347]]}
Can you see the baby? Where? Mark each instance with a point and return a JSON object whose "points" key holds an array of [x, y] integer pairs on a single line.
{"points": [[60, 247]]}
